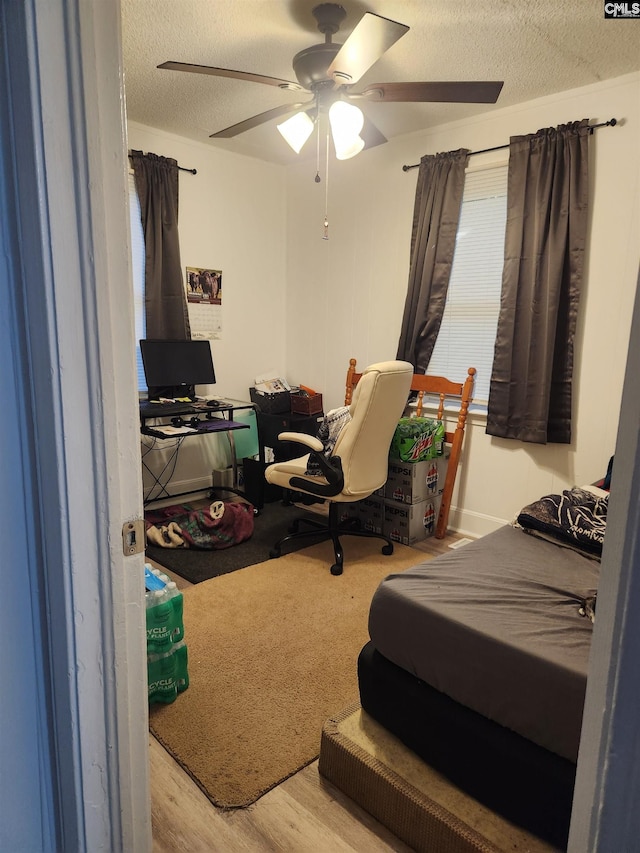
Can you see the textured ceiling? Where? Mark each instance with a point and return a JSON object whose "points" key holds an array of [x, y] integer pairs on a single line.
{"points": [[537, 47]]}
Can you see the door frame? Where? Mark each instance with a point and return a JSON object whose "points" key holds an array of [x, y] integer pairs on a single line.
{"points": [[65, 170]]}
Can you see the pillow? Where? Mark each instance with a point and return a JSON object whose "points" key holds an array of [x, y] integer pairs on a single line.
{"points": [[330, 428], [576, 519]]}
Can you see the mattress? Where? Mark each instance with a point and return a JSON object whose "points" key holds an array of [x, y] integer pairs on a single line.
{"points": [[514, 777], [496, 626]]}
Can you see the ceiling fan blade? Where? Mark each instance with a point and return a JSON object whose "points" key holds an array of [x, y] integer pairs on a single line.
{"points": [[464, 93], [371, 135], [235, 75], [255, 121], [372, 37]]}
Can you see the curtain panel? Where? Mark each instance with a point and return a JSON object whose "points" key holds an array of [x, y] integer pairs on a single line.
{"points": [[436, 215], [530, 395], [165, 300]]}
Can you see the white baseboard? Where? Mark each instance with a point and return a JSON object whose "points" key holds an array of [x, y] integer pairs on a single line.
{"points": [[200, 486], [473, 524]]}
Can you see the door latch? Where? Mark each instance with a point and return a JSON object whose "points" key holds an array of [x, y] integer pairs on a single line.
{"points": [[133, 537]]}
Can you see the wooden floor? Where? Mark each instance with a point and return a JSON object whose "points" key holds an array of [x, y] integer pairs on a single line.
{"points": [[305, 814]]}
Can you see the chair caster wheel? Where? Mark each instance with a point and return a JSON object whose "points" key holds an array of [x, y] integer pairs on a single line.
{"points": [[274, 552], [336, 569], [387, 549]]}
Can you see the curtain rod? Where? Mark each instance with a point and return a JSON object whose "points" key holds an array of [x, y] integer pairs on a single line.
{"points": [[611, 123], [180, 168]]}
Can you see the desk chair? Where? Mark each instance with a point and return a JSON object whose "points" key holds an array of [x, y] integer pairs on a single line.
{"points": [[358, 463], [447, 391]]}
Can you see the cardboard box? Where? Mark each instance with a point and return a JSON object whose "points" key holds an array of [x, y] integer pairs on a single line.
{"points": [[371, 513], [417, 439], [412, 482], [409, 523]]}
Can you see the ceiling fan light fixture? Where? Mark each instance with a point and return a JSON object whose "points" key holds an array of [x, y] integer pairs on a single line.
{"points": [[346, 122], [296, 130]]}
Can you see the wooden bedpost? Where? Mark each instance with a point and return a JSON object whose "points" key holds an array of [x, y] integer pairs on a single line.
{"points": [[454, 456]]}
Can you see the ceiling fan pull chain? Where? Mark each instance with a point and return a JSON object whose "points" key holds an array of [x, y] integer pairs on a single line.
{"points": [[325, 236], [317, 177]]}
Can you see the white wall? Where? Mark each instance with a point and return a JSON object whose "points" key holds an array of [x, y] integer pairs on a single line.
{"points": [[345, 296], [231, 217], [294, 299]]}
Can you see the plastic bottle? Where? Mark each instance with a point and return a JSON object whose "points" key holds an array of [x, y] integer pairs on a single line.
{"points": [[175, 597], [168, 674], [160, 623], [182, 666], [161, 674], [160, 613]]}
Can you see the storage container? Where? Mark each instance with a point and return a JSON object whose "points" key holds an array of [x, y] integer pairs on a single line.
{"points": [[304, 404], [272, 404]]}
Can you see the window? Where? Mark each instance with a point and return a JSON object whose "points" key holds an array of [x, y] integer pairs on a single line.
{"points": [[138, 261], [468, 331]]}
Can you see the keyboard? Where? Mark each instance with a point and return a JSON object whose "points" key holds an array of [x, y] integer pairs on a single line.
{"points": [[158, 410]]}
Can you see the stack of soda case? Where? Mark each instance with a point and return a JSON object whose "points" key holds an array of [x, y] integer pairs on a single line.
{"points": [[167, 660], [406, 508]]}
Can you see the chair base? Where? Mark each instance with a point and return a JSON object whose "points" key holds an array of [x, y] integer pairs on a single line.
{"points": [[330, 530]]}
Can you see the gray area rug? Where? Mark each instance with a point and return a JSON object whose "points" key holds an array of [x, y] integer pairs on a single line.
{"points": [[269, 526]]}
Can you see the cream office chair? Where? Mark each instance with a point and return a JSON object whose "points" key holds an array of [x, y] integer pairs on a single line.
{"points": [[359, 461]]}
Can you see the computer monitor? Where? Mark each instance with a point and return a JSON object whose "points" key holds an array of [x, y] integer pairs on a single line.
{"points": [[173, 368]]}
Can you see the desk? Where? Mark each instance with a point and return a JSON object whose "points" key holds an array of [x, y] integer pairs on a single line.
{"points": [[181, 420]]}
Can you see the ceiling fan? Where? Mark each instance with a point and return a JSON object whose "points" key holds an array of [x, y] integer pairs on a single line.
{"points": [[329, 71]]}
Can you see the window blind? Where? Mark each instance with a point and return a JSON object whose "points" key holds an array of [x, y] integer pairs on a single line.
{"points": [[468, 331]]}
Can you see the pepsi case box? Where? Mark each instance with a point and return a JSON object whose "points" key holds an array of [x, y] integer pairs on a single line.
{"points": [[371, 513], [409, 523], [412, 482]]}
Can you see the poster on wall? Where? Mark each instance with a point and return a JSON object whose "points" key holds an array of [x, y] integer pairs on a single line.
{"points": [[204, 300]]}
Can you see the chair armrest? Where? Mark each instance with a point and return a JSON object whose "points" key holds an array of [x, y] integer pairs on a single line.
{"points": [[309, 441], [331, 470]]}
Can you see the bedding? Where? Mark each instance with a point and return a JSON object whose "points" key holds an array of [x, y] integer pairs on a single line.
{"points": [[496, 625], [576, 519]]}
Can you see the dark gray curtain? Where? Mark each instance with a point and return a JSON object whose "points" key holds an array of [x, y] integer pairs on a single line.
{"points": [[165, 301], [433, 238], [547, 200]]}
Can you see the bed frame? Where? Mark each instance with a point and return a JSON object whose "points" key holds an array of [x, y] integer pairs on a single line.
{"points": [[516, 778], [447, 391]]}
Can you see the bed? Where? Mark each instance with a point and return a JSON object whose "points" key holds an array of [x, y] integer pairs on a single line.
{"points": [[478, 661]]}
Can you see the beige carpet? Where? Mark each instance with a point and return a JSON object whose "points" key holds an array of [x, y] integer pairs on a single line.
{"points": [[272, 654]]}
